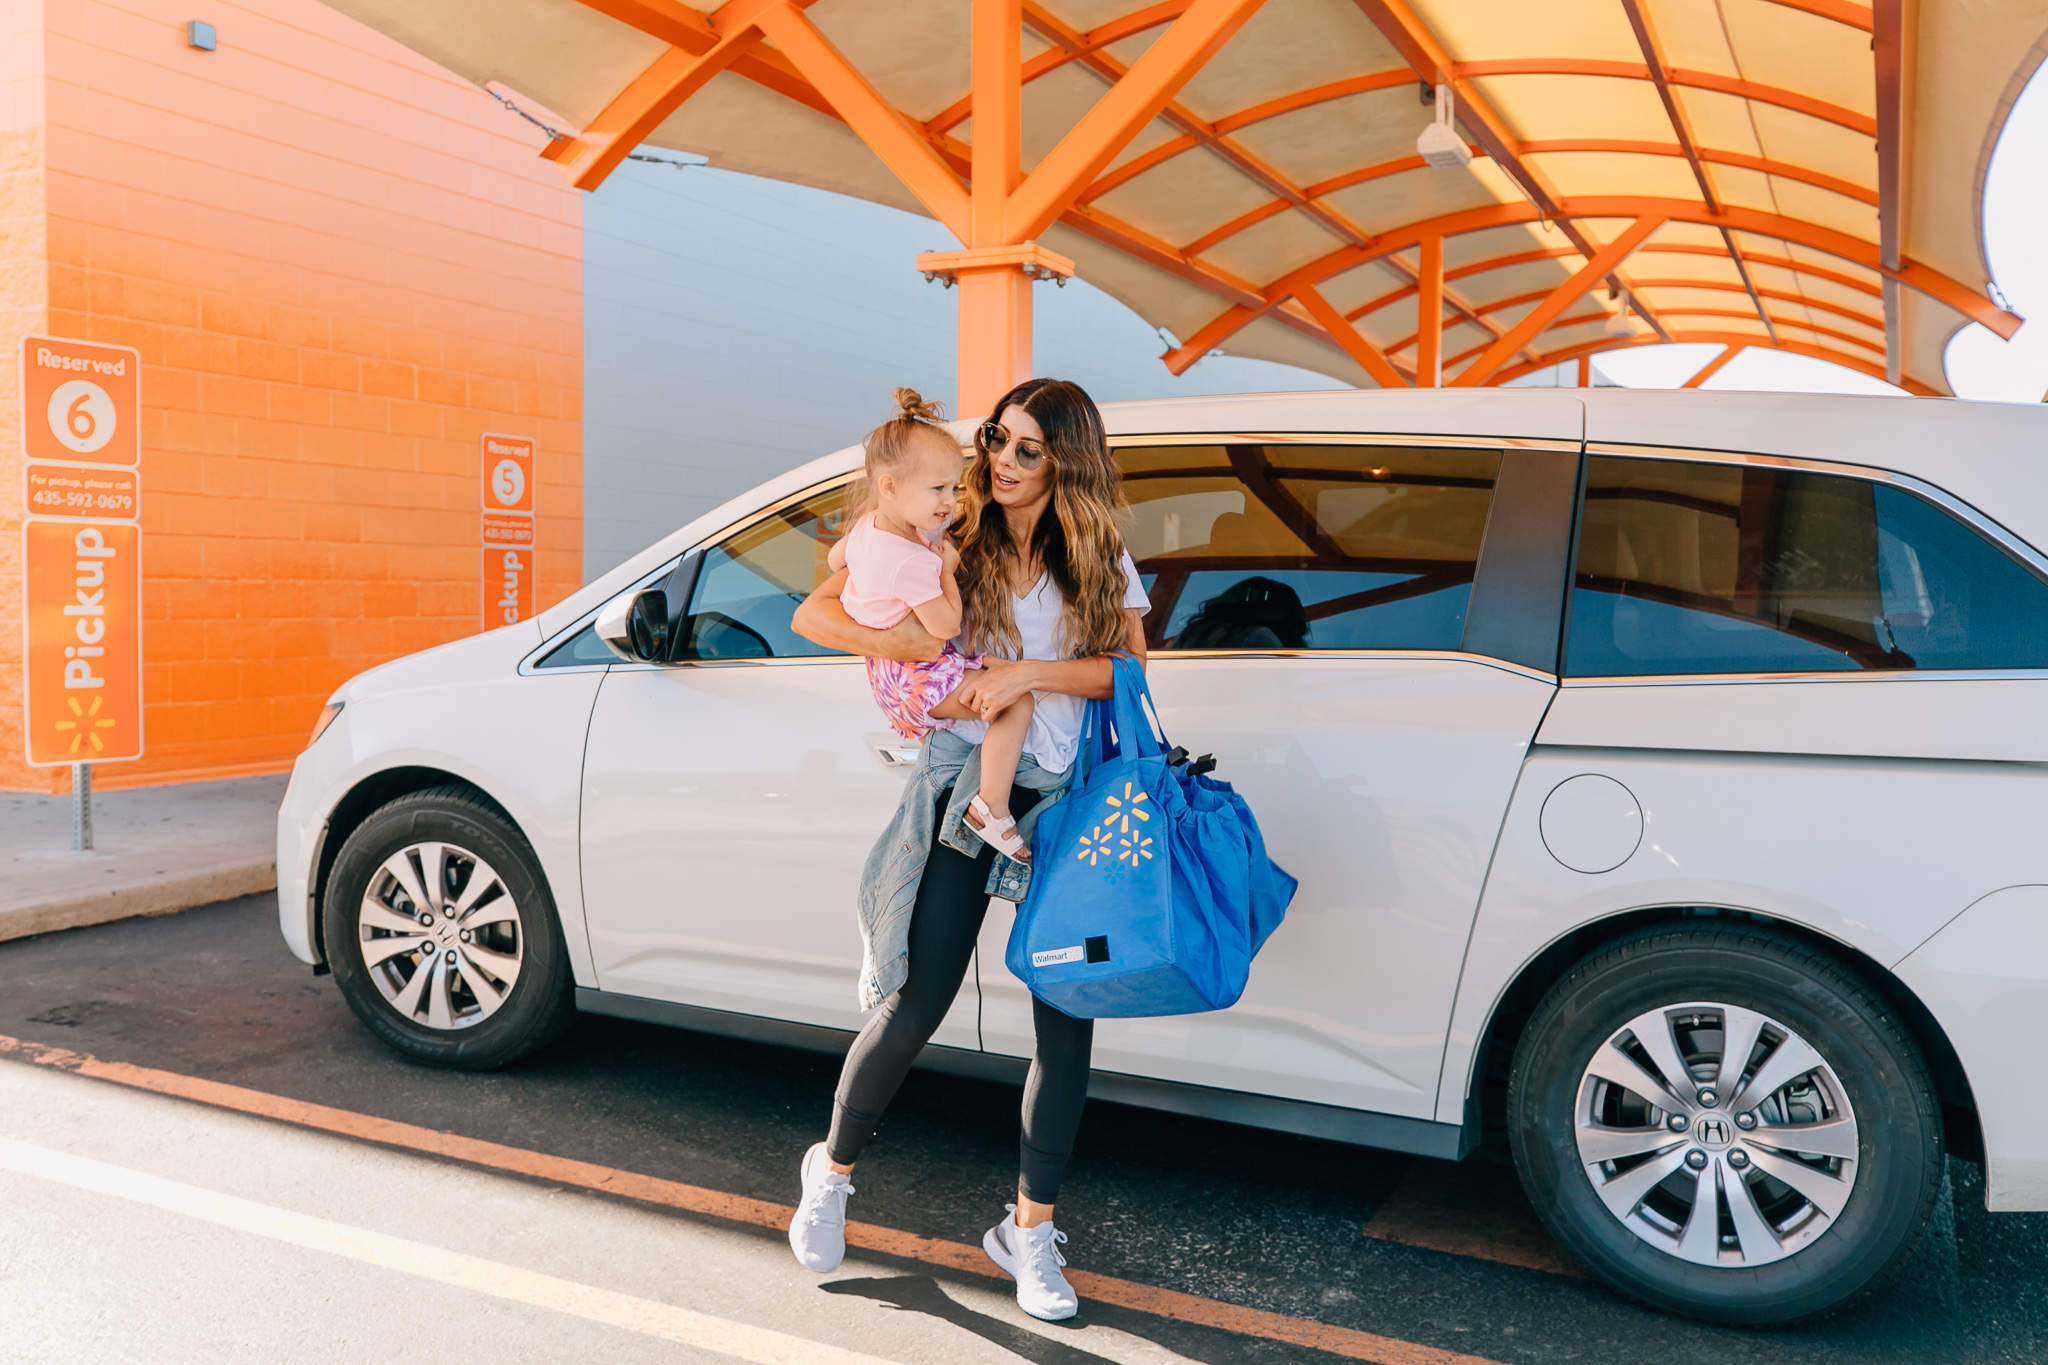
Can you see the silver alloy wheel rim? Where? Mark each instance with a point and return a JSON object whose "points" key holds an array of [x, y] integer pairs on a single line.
{"points": [[441, 935], [1659, 1123]]}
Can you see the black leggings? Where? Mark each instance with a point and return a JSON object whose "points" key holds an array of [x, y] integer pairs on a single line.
{"points": [[943, 928]]}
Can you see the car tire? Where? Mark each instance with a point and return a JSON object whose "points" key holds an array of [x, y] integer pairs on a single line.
{"points": [[442, 935], [1822, 1154]]}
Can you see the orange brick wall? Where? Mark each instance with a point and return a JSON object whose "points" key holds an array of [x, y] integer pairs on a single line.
{"points": [[340, 264], [24, 296]]}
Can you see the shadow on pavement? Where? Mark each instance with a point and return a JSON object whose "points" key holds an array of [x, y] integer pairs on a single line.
{"points": [[922, 1294]]}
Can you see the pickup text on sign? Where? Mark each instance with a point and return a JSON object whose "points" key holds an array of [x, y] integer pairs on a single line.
{"points": [[84, 655], [506, 529]]}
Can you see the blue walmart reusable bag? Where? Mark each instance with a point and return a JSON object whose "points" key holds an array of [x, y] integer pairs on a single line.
{"points": [[1151, 889]]}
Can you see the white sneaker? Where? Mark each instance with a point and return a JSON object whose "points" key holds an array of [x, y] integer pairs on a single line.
{"points": [[1032, 1257], [817, 1234]]}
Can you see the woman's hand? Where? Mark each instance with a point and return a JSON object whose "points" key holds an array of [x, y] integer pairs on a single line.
{"points": [[998, 683], [822, 620]]}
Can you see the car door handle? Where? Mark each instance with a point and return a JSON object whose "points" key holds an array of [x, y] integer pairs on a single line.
{"points": [[898, 755]]}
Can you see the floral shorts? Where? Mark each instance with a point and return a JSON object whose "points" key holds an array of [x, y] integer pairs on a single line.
{"points": [[907, 692]]}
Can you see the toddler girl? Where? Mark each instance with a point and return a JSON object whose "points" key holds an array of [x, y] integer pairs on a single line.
{"points": [[899, 563]]}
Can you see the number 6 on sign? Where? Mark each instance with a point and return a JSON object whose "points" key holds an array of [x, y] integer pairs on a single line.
{"points": [[82, 415], [79, 399]]}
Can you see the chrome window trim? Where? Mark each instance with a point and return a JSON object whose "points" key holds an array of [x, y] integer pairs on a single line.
{"points": [[1412, 655], [1337, 655], [1859, 675], [1340, 438]]}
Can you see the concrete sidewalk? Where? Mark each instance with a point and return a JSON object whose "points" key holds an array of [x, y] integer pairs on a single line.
{"points": [[156, 850]]}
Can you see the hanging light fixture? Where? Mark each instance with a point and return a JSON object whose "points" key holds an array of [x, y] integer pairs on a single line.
{"points": [[1621, 324], [1439, 145]]}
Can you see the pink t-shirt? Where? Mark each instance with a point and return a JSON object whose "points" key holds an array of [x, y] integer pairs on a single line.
{"points": [[886, 575]]}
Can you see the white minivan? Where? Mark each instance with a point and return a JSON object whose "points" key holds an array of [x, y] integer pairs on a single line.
{"points": [[1666, 775]]}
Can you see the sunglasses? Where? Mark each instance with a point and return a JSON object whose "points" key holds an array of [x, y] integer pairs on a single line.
{"points": [[993, 436]]}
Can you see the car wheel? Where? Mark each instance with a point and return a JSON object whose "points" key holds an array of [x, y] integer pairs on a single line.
{"points": [[442, 935], [1725, 1124]]}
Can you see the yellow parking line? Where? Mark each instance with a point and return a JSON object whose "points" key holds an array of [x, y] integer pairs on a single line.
{"points": [[1346, 1342], [645, 1316]]}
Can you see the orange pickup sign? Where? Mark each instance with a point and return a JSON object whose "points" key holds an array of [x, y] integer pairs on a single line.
{"points": [[84, 656]]}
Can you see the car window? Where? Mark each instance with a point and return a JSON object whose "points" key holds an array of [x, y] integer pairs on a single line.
{"points": [[1280, 546], [749, 585], [1720, 568], [579, 651]]}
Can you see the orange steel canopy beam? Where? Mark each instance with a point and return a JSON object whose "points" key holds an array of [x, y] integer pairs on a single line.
{"points": [[977, 190], [1561, 298], [1712, 367], [1930, 282]]}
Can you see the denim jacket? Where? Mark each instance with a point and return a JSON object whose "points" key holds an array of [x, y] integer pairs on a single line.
{"points": [[888, 883]]}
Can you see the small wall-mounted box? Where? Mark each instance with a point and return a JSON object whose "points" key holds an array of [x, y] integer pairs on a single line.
{"points": [[199, 34]]}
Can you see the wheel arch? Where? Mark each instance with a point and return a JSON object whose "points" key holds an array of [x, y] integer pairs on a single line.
{"points": [[1485, 1084], [371, 793]]}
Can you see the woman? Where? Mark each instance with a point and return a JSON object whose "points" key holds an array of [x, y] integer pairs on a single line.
{"points": [[1048, 594]]}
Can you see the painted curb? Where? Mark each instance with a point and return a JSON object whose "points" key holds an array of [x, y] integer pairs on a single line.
{"points": [[162, 897]]}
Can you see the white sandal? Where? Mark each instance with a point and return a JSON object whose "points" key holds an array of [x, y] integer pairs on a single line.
{"points": [[1000, 835]]}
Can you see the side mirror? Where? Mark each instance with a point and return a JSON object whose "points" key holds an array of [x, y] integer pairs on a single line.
{"points": [[636, 627], [643, 627]]}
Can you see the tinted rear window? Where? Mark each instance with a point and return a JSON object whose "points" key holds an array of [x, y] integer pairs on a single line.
{"points": [[1722, 568]]}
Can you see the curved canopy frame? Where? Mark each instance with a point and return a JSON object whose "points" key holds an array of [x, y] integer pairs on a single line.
{"points": [[1796, 174]]}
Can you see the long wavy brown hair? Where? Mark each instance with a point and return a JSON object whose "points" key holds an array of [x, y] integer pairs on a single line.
{"points": [[1080, 542]]}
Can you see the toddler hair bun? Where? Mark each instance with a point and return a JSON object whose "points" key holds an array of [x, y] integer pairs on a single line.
{"points": [[911, 406]]}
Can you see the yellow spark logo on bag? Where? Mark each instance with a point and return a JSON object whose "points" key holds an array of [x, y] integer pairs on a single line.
{"points": [[1113, 839]]}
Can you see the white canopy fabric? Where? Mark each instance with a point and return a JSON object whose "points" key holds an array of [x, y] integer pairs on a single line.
{"points": [[1806, 174]]}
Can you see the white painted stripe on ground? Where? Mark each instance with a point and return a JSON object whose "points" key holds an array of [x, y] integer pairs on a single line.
{"points": [[645, 1316]]}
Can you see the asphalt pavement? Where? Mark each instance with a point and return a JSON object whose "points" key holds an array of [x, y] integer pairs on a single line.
{"points": [[139, 1225]]}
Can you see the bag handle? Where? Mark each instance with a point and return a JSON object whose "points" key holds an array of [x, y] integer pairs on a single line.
{"points": [[1125, 713], [1137, 718]]}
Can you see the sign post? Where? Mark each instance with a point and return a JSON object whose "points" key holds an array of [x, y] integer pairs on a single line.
{"points": [[82, 560], [506, 530]]}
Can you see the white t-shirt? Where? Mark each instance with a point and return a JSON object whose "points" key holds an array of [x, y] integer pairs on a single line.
{"points": [[1055, 734]]}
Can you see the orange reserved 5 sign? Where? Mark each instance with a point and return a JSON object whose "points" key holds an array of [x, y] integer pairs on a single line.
{"points": [[80, 401], [508, 473], [83, 663]]}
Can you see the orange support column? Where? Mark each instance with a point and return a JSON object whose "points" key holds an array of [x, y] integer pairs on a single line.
{"points": [[995, 298], [995, 314], [1429, 316], [995, 336]]}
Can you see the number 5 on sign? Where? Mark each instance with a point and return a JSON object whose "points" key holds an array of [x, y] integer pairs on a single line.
{"points": [[84, 655]]}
